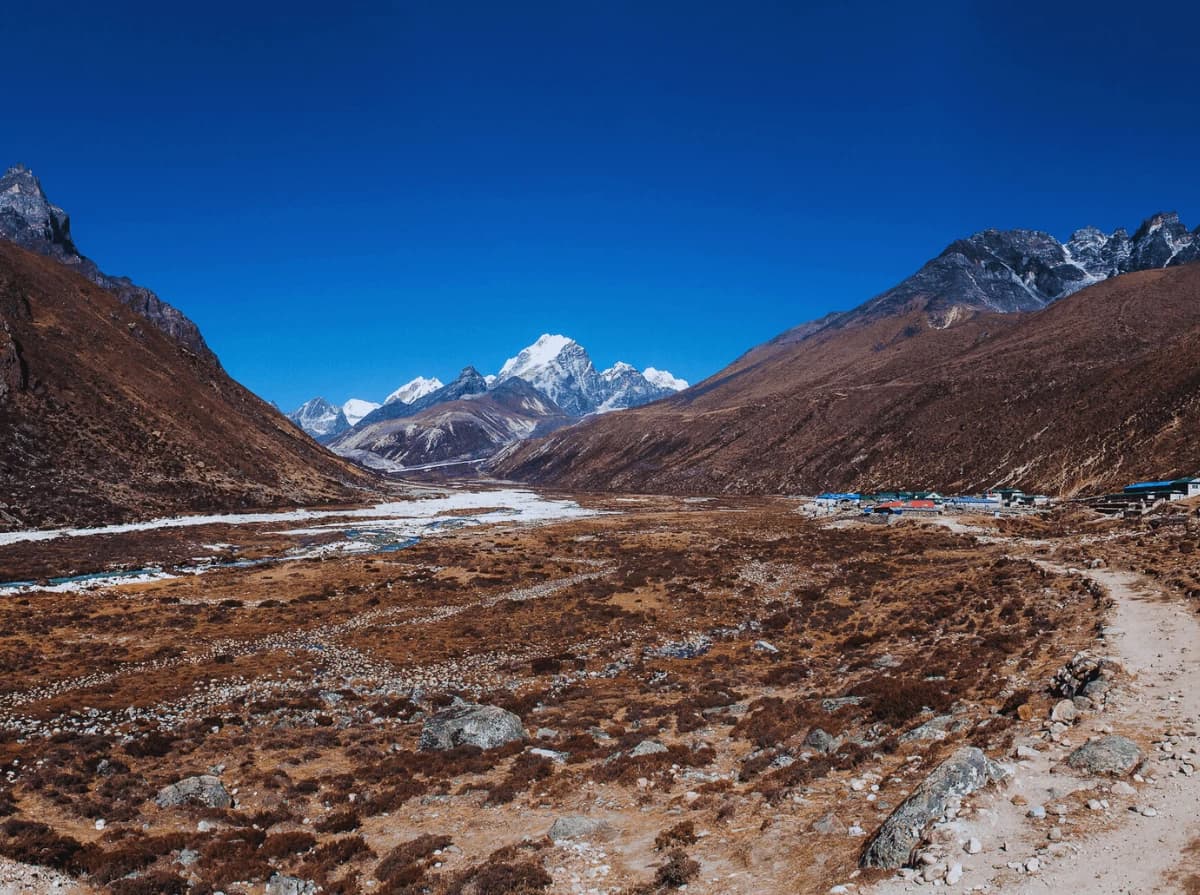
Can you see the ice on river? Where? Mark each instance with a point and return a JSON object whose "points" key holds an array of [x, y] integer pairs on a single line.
{"points": [[509, 505]]}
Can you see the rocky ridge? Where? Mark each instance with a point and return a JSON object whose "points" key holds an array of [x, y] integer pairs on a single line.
{"points": [[28, 219]]}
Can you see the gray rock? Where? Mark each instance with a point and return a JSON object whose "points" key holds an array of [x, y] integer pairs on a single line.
{"points": [[829, 824], [647, 747], [1064, 711], [204, 790], [279, 884], [560, 757], [821, 741], [468, 724], [833, 703], [1076, 677], [964, 772], [577, 827], [933, 729], [1113, 754]]}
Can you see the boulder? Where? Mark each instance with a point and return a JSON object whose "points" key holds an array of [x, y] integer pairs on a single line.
{"points": [[468, 724], [647, 747], [576, 827], [1113, 754], [1064, 711], [821, 741], [964, 772], [204, 791]]}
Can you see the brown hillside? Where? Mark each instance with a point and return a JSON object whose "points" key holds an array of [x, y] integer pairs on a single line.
{"points": [[1100, 388], [103, 417]]}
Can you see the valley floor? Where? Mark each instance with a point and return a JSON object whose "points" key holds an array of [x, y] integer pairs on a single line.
{"points": [[723, 694]]}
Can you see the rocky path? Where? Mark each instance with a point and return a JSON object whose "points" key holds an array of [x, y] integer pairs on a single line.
{"points": [[1051, 830]]}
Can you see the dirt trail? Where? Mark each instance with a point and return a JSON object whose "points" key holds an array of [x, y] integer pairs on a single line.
{"points": [[1116, 849]]}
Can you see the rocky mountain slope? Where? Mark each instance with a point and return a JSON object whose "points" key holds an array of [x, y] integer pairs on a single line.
{"points": [[993, 364], [28, 219], [105, 417], [474, 426]]}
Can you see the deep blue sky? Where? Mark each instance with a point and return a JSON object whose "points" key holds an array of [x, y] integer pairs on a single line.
{"points": [[347, 195]]}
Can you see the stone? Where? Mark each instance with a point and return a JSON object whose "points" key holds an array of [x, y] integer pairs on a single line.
{"points": [[764, 646], [821, 741], [973, 846], [1115, 755], [965, 771], [279, 884], [954, 874], [558, 757], [933, 729], [204, 791], [577, 827], [468, 724], [829, 824], [647, 747], [1064, 711], [1121, 788]]}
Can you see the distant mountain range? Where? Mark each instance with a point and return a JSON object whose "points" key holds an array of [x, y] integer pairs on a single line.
{"points": [[472, 418], [112, 408], [1010, 358]]}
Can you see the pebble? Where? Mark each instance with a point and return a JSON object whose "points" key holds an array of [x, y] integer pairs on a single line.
{"points": [[973, 846]]}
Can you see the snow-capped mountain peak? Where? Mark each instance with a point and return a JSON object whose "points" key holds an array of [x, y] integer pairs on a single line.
{"points": [[559, 367], [356, 408], [618, 369], [320, 419], [664, 379], [542, 352], [416, 388]]}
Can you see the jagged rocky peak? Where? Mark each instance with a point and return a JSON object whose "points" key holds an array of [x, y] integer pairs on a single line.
{"points": [[1011, 271], [27, 217], [29, 220], [1163, 241], [320, 419]]}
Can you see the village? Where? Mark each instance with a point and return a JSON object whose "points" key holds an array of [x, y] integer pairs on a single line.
{"points": [[1134, 500]]}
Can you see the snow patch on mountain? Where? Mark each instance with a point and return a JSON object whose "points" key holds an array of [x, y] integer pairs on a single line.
{"points": [[356, 408]]}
